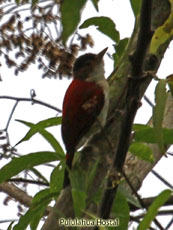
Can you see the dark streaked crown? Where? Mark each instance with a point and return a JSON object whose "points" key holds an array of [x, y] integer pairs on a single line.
{"points": [[84, 65]]}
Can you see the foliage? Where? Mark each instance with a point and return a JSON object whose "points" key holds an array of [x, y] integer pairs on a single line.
{"points": [[163, 34]]}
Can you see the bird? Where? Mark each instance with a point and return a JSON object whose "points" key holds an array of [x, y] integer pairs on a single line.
{"points": [[85, 104]]}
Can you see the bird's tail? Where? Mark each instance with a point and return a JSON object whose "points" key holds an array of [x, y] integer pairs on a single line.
{"points": [[69, 160]]}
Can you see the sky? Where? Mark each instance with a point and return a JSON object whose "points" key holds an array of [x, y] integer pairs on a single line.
{"points": [[52, 92]]}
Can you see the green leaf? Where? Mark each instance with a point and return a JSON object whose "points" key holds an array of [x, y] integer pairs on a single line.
{"points": [[153, 209], [119, 50], [136, 6], [56, 179], [10, 226], [163, 34], [146, 134], [139, 127], [77, 179], [35, 212], [17, 165], [120, 211], [104, 25], [129, 197], [167, 136], [40, 196], [53, 121], [52, 141], [79, 201], [39, 128], [95, 3], [70, 16], [38, 200], [91, 174], [142, 151], [169, 80], [158, 112]]}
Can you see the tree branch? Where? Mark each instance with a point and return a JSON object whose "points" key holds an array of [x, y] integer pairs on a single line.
{"points": [[19, 195], [16, 193], [132, 100]]}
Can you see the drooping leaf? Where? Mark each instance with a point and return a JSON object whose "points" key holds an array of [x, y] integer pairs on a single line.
{"points": [[39, 200], [10, 225], [41, 195], [95, 3], [142, 151], [153, 209], [91, 174], [30, 215], [77, 180], [158, 112], [35, 212], [169, 80], [163, 34], [56, 179], [120, 211], [104, 25], [17, 165], [70, 16], [79, 201], [129, 196], [136, 6], [39, 128]]}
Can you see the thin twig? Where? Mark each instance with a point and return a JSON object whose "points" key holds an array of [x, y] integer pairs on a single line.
{"points": [[28, 181], [162, 179], [169, 153], [11, 114], [34, 101], [148, 101], [160, 213], [169, 224]]}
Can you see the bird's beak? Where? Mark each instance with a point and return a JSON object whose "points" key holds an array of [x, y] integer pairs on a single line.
{"points": [[100, 55]]}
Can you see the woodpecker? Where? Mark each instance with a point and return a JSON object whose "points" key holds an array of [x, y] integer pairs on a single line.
{"points": [[85, 104]]}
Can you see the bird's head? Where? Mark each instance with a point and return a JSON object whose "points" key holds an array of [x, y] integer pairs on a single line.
{"points": [[89, 67]]}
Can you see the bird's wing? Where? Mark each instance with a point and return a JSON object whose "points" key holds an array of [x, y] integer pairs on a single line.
{"points": [[80, 109]]}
